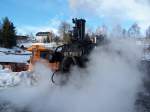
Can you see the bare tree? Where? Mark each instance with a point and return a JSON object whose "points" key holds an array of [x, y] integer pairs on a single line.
{"points": [[50, 37], [134, 31], [56, 39], [124, 33], [117, 31], [89, 32], [101, 30], [148, 32], [64, 28]]}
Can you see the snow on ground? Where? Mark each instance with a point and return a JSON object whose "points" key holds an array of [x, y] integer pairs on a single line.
{"points": [[11, 79]]}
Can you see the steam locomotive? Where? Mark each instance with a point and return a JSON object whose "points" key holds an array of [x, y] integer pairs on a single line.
{"points": [[75, 52]]}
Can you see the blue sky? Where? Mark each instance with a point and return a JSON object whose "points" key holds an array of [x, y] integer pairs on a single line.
{"points": [[31, 11], [30, 16], [35, 13]]}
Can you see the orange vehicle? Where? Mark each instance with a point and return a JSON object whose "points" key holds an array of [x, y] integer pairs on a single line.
{"points": [[44, 55]]}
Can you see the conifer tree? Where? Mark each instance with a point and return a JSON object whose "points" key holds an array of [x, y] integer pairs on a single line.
{"points": [[8, 33]]}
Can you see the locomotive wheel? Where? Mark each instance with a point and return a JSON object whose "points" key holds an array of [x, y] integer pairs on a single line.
{"points": [[67, 63], [59, 78]]}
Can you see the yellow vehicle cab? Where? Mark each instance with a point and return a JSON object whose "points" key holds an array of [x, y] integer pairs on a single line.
{"points": [[43, 55]]}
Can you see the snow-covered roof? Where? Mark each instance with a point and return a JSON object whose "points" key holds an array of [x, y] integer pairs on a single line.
{"points": [[43, 33], [51, 46], [14, 51], [14, 58], [26, 44], [5, 49]]}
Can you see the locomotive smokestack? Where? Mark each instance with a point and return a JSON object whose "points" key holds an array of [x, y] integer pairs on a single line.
{"points": [[79, 28]]}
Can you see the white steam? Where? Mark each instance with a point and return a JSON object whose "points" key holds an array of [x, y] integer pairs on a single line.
{"points": [[109, 84]]}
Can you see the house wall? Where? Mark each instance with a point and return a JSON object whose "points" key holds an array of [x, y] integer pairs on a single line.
{"points": [[41, 38], [15, 67]]}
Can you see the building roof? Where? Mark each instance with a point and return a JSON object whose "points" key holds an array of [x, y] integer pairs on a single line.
{"points": [[42, 33], [49, 46], [11, 56], [22, 37], [14, 51], [39, 47], [14, 58]]}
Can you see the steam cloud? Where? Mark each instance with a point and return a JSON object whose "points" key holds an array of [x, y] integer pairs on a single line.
{"points": [[109, 84]]}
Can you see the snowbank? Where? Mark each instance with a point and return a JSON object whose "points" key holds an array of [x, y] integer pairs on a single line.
{"points": [[11, 79]]}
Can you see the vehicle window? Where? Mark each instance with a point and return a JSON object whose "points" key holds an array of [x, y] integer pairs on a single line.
{"points": [[43, 55]]}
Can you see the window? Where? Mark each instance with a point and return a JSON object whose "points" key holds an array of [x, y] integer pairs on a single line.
{"points": [[43, 55]]}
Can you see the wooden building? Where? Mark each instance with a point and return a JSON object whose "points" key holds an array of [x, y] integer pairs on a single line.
{"points": [[16, 63]]}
